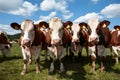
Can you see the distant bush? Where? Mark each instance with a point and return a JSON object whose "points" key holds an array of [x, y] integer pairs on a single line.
{"points": [[14, 37]]}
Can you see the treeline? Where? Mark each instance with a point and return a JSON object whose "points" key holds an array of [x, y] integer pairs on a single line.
{"points": [[14, 37]]}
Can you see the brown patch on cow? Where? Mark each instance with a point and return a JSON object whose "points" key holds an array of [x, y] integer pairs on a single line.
{"points": [[67, 37], [47, 38], [115, 39], [3, 39], [39, 38], [104, 33]]}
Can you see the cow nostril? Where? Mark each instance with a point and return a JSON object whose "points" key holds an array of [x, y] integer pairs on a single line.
{"points": [[27, 41]]}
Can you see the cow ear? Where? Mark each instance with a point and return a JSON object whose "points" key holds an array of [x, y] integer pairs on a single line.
{"points": [[15, 26], [43, 24]]}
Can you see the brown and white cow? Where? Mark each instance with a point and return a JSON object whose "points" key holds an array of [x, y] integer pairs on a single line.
{"points": [[5, 45], [104, 41], [55, 44], [115, 41], [31, 41], [98, 40]]}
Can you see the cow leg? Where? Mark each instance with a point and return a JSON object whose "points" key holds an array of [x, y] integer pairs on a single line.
{"points": [[93, 57], [25, 62], [87, 51], [46, 54], [103, 58], [80, 53], [37, 59], [115, 54], [61, 59], [52, 56]]}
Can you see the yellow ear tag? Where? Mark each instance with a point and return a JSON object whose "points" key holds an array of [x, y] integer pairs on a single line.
{"points": [[43, 26], [83, 28], [104, 25], [68, 27], [16, 27], [117, 29]]}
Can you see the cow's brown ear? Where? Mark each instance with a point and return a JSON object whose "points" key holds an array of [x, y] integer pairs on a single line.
{"points": [[15, 26], [43, 24]]}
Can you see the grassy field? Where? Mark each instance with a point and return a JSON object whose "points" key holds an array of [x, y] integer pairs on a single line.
{"points": [[11, 66]]}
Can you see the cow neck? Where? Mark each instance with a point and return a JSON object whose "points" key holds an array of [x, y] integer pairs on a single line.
{"points": [[104, 37], [39, 38]]}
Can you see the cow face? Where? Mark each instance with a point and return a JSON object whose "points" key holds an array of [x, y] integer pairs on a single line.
{"points": [[85, 31], [75, 30], [93, 23], [56, 30], [27, 32], [4, 43]]}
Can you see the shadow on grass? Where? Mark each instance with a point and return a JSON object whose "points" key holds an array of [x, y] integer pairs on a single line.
{"points": [[8, 58]]}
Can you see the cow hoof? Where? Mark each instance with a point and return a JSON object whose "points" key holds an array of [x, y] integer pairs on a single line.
{"points": [[37, 72], [63, 71], [51, 72], [102, 69], [30, 62], [23, 73]]}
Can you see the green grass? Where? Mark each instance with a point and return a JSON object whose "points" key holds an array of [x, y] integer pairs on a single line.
{"points": [[11, 66]]}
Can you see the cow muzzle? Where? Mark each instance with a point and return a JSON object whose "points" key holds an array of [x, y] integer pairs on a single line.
{"points": [[56, 42], [26, 42]]}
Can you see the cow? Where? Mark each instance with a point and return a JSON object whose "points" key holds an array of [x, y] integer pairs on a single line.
{"points": [[115, 41], [77, 39], [5, 45], [55, 43], [98, 41], [31, 41], [104, 41]]}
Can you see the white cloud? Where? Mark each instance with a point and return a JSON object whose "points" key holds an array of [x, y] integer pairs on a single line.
{"points": [[111, 11], [8, 5], [17, 7], [57, 5], [8, 29], [46, 18], [87, 17], [94, 1]]}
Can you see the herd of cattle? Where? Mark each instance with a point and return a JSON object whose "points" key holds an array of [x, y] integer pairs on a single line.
{"points": [[56, 37]]}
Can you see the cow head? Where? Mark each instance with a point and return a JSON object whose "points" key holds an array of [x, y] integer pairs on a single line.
{"points": [[4, 43], [27, 28], [93, 23], [103, 26], [75, 28], [85, 31], [68, 25], [56, 30]]}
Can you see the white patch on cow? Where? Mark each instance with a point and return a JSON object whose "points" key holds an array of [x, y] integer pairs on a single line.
{"points": [[92, 51], [118, 33], [56, 27], [75, 29], [116, 49], [93, 23], [101, 50], [27, 28]]}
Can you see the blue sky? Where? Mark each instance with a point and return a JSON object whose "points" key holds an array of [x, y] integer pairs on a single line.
{"points": [[73, 10]]}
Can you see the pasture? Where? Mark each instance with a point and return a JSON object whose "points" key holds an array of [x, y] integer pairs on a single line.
{"points": [[11, 66]]}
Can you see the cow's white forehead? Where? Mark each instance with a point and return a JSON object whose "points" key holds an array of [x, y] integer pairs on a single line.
{"points": [[75, 27], [27, 25], [55, 23], [93, 23]]}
